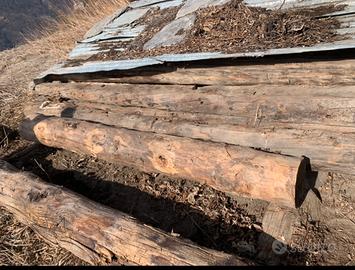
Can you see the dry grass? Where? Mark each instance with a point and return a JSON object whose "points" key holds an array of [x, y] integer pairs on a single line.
{"points": [[19, 245], [60, 38], [49, 44]]}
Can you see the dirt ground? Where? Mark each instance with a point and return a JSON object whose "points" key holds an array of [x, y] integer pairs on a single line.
{"points": [[323, 235]]}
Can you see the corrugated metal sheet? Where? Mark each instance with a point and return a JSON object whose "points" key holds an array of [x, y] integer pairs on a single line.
{"points": [[122, 29]]}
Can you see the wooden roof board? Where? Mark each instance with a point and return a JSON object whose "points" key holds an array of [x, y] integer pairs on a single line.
{"points": [[122, 28]]}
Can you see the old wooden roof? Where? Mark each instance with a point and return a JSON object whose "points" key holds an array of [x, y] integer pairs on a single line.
{"points": [[121, 27]]}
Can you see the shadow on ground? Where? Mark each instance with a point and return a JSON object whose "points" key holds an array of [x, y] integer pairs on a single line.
{"points": [[150, 205]]}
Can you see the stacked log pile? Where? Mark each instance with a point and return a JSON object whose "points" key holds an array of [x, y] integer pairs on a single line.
{"points": [[259, 128], [242, 129]]}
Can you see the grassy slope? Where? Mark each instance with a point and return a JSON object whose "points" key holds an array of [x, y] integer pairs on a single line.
{"points": [[19, 16]]}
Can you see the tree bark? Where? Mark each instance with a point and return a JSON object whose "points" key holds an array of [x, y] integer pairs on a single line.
{"points": [[232, 169], [94, 233]]}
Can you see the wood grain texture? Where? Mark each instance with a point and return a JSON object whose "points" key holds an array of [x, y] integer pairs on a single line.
{"points": [[94, 233], [233, 169], [330, 147], [253, 105], [339, 72], [278, 225]]}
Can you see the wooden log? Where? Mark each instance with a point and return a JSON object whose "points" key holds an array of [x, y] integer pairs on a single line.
{"points": [[94, 233], [278, 227], [330, 147], [336, 72], [252, 105], [232, 169]]}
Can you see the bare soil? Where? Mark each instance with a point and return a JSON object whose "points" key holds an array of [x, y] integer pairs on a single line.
{"points": [[233, 28]]}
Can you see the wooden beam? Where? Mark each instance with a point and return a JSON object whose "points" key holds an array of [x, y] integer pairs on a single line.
{"points": [[329, 146], [336, 72], [252, 105], [94, 233], [232, 169]]}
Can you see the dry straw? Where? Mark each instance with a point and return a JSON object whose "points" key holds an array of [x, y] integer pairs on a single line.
{"points": [[59, 38]]}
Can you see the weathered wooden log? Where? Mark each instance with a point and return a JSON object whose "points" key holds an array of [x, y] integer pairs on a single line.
{"points": [[278, 225], [233, 169], [336, 72], [94, 233], [252, 105], [330, 147]]}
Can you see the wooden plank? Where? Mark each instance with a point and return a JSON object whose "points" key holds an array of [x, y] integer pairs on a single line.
{"points": [[94, 233], [232, 169]]}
